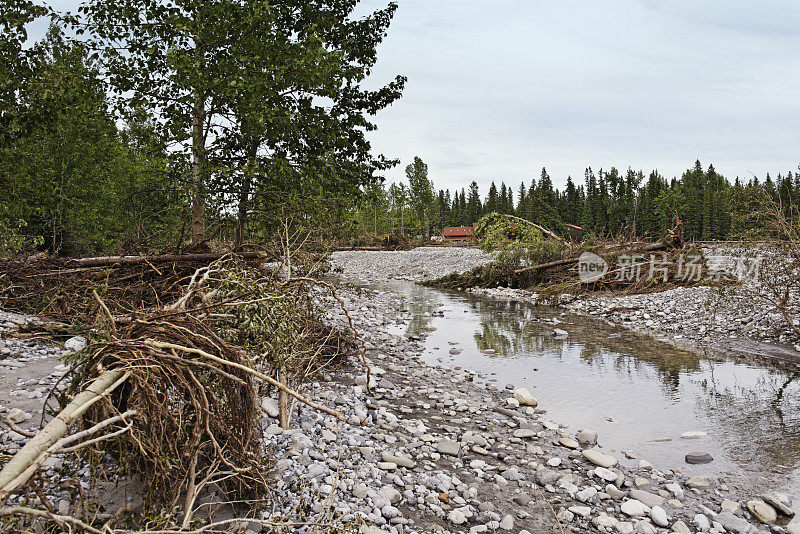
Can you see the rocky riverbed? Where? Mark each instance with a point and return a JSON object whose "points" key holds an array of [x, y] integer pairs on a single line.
{"points": [[414, 265], [438, 449]]}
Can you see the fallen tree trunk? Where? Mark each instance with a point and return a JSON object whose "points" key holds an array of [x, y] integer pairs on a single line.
{"points": [[161, 258], [30, 457], [569, 261]]}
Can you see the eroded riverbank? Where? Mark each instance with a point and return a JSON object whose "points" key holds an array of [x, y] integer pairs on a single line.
{"points": [[441, 446]]}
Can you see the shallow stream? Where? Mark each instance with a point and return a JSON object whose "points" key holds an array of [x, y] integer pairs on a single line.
{"points": [[638, 393]]}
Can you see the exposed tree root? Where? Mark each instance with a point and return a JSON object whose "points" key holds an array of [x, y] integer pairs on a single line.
{"points": [[173, 393]]}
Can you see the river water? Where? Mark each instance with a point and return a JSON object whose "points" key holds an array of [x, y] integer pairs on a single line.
{"points": [[638, 393]]}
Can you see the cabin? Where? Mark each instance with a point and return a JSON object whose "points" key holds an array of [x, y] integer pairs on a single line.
{"points": [[459, 233]]}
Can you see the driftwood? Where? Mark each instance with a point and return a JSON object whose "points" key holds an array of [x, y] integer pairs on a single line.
{"points": [[569, 261], [161, 258], [50, 439]]}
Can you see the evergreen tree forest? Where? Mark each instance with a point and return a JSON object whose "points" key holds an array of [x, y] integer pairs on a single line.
{"points": [[609, 203]]}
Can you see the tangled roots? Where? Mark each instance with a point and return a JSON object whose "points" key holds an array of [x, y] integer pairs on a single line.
{"points": [[197, 419]]}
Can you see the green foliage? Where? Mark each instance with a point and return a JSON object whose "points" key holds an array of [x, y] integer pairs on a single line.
{"points": [[68, 173], [420, 192], [16, 62], [265, 98], [515, 243], [12, 239], [613, 204]]}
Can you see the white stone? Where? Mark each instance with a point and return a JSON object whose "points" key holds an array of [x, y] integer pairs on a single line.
{"points": [[694, 434], [644, 527], [606, 474], [448, 446], [456, 517], [604, 521], [659, 516], [587, 437], [524, 397], [700, 482], [18, 416], [583, 511], [75, 343], [599, 458], [524, 433], [675, 489], [702, 522], [390, 494], [569, 443], [762, 511], [634, 508], [270, 407], [398, 460]]}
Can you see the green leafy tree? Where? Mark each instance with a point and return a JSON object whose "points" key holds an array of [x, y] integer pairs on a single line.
{"points": [[71, 176], [231, 79], [398, 197], [166, 57], [298, 104], [16, 61]]}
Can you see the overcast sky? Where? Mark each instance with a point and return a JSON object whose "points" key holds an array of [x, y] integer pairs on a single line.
{"points": [[498, 89]]}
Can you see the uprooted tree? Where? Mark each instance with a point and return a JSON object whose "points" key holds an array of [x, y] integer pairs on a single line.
{"points": [[528, 255], [172, 392]]}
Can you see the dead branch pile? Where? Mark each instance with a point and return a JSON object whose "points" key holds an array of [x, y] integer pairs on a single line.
{"points": [[274, 321], [61, 289], [172, 393]]}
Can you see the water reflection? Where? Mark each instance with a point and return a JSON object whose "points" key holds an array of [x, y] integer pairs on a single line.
{"points": [[634, 390]]}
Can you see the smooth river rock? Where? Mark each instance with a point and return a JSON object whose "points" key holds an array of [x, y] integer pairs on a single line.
{"points": [[694, 434], [524, 397], [762, 511], [634, 508], [599, 458], [780, 503], [569, 443], [734, 524], [700, 482], [448, 447], [659, 516], [587, 437], [398, 460], [698, 458], [646, 497]]}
